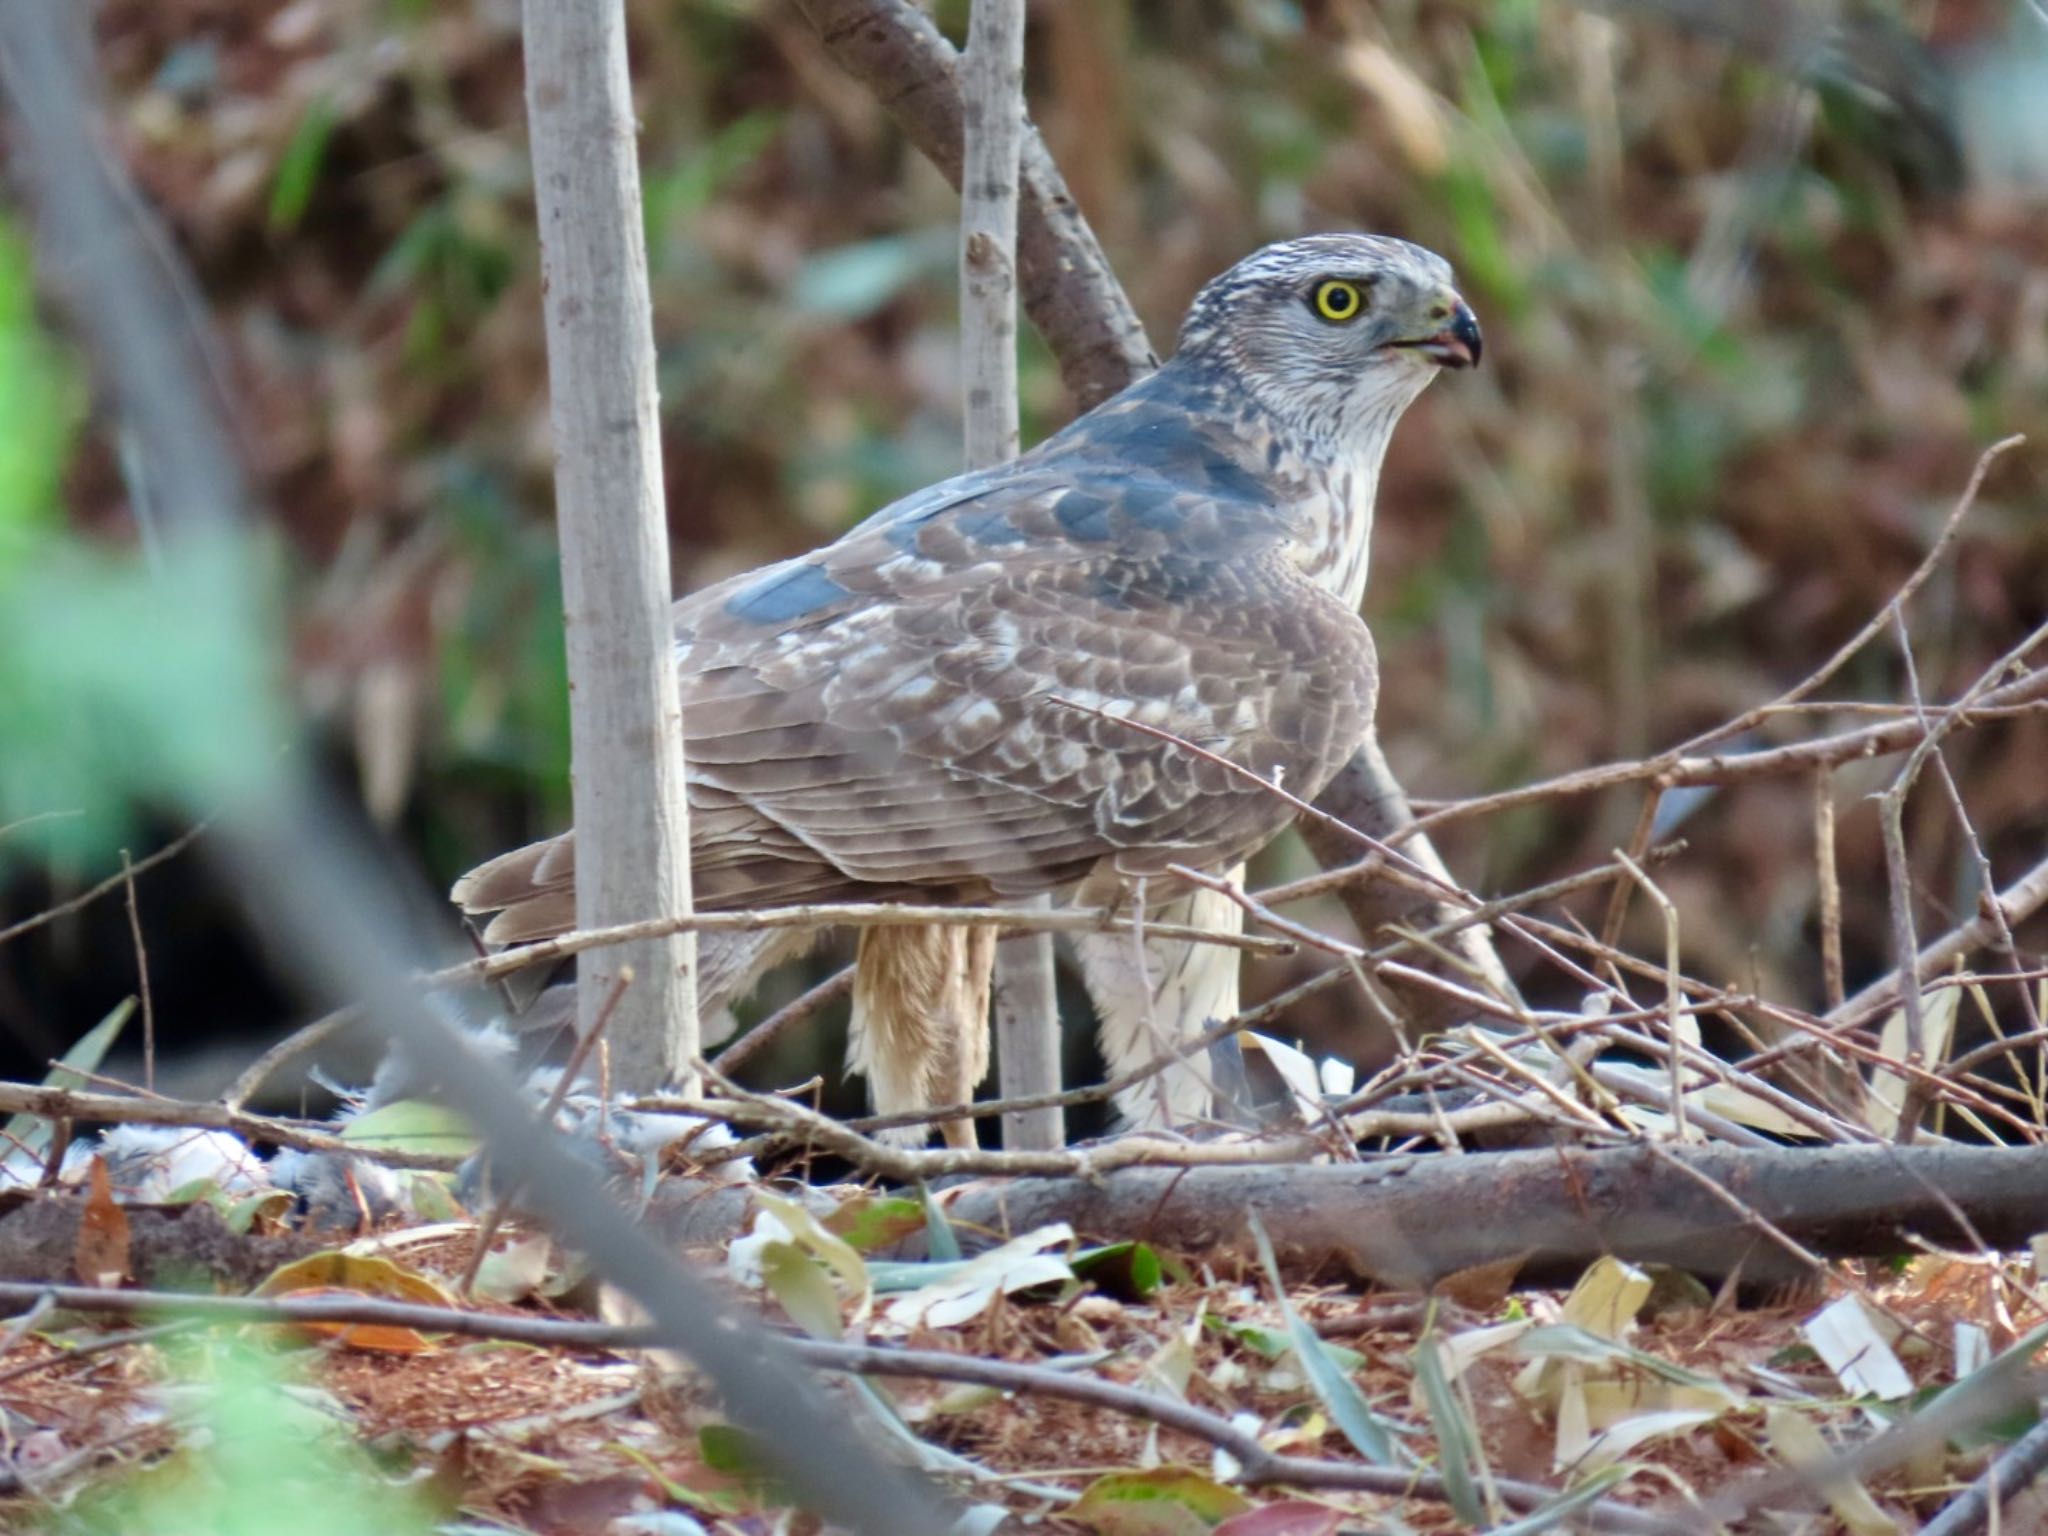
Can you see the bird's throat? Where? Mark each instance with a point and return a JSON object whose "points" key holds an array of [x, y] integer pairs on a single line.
{"points": [[1336, 513]]}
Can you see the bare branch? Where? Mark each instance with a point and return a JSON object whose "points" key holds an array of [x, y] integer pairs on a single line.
{"points": [[827, 915], [112, 883], [1064, 279], [784, 1019], [127, 1109], [2013, 905]]}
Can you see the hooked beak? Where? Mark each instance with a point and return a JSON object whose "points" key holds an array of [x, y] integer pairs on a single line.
{"points": [[1456, 344]]}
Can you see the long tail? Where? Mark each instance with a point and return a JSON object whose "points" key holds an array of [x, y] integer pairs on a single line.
{"points": [[530, 893]]}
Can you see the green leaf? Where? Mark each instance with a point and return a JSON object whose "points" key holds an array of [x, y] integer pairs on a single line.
{"points": [[1553, 1515], [868, 1223], [430, 1197], [412, 1125], [242, 1214], [1166, 1501], [298, 170], [891, 1277], [832, 1250], [119, 686], [940, 1243], [41, 400], [1268, 1343], [711, 1502], [963, 1291], [201, 1188], [259, 1443], [1457, 1437], [800, 1283], [1129, 1271], [1567, 1341], [851, 282], [732, 1451], [2007, 1362], [25, 1137], [1348, 1409], [684, 187]]}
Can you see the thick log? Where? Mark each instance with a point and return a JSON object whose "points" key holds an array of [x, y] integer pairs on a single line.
{"points": [[1407, 1222]]}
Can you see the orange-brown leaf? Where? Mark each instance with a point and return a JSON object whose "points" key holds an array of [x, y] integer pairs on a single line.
{"points": [[100, 1256]]}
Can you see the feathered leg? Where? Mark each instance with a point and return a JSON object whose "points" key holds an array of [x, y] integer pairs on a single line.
{"points": [[920, 1022], [1185, 988]]}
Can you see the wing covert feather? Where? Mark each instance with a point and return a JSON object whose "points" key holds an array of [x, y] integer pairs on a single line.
{"points": [[918, 710]]}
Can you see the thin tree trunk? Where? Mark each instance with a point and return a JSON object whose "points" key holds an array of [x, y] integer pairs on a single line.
{"points": [[1027, 1020], [992, 99], [632, 817]]}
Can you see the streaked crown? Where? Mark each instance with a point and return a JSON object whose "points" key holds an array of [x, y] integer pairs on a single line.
{"points": [[1335, 332]]}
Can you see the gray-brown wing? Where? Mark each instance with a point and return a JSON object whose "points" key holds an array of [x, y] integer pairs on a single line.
{"points": [[919, 710], [933, 720]]}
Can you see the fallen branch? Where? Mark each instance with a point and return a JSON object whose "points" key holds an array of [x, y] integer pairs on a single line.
{"points": [[1555, 1210]]}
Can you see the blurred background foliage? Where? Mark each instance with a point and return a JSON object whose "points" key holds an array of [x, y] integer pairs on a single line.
{"points": [[1759, 282]]}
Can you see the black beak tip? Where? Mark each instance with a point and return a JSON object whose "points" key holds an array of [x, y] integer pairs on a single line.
{"points": [[1464, 330]]}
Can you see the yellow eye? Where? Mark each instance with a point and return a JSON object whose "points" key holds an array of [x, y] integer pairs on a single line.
{"points": [[1338, 301]]}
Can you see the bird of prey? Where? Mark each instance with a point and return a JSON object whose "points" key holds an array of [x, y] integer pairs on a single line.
{"points": [[1066, 674]]}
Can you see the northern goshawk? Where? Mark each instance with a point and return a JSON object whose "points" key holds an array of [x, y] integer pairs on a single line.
{"points": [[933, 707]]}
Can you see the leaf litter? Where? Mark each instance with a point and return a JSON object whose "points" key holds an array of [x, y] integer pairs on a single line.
{"points": [[1591, 1389]]}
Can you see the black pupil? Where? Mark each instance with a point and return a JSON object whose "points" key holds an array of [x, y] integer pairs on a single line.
{"points": [[1340, 300]]}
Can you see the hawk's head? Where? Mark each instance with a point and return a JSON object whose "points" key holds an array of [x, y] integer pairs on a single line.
{"points": [[1343, 329]]}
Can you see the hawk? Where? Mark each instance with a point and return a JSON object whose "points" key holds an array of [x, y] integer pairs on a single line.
{"points": [[990, 689]]}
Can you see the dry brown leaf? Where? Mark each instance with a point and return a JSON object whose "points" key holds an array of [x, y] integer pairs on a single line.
{"points": [[100, 1256]]}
